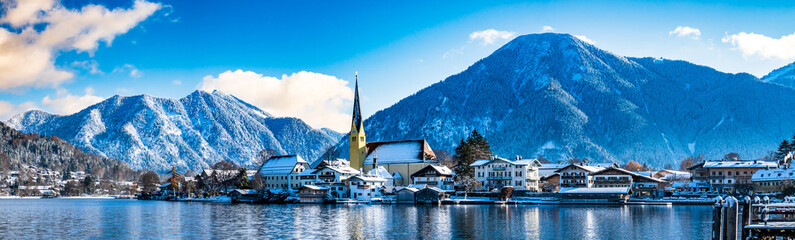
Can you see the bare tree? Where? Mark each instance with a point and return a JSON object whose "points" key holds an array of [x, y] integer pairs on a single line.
{"points": [[468, 183], [732, 156]]}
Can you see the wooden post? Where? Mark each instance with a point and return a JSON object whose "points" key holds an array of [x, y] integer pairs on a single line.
{"points": [[717, 219], [746, 216], [731, 212]]}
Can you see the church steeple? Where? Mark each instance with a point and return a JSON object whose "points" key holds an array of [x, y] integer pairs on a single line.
{"points": [[357, 111], [358, 143]]}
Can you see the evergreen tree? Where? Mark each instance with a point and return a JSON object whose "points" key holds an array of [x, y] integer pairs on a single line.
{"points": [[242, 179], [783, 149], [88, 185], [468, 151]]}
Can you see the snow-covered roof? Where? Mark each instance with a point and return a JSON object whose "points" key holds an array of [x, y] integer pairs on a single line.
{"points": [[396, 175], [480, 162], [623, 190], [408, 189], [313, 187], [335, 162], [246, 191], [209, 172], [584, 167], [773, 175], [280, 165], [441, 170], [741, 164], [381, 172], [435, 189], [628, 173], [519, 162], [165, 185], [417, 186], [672, 175], [397, 152], [367, 178]]}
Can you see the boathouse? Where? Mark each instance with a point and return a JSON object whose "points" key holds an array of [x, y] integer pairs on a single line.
{"points": [[313, 194], [430, 195], [595, 195], [406, 195]]}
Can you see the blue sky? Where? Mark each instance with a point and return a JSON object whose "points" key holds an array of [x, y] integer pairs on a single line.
{"points": [[287, 51]]}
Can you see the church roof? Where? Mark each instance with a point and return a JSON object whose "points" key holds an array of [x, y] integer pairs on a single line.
{"points": [[397, 152]]}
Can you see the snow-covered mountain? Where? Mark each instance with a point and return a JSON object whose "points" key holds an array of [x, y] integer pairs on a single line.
{"points": [[784, 76], [557, 96], [191, 133]]}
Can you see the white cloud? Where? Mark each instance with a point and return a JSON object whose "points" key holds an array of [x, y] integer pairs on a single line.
{"points": [[27, 54], [490, 36], [176, 82], [65, 103], [681, 31], [320, 100], [757, 44], [8, 110], [585, 39], [92, 66], [547, 29], [129, 69]]}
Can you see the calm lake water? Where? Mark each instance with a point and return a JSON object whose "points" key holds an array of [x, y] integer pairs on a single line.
{"points": [[132, 219]]}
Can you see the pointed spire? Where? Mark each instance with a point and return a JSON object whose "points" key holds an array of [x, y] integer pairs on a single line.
{"points": [[357, 111]]}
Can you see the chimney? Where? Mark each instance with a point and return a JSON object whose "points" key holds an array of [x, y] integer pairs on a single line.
{"points": [[375, 160]]}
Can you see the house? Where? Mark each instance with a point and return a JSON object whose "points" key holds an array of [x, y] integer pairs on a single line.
{"points": [[698, 173], [772, 181], [613, 177], [436, 176], [550, 183], [548, 169], [522, 174], [245, 196], [595, 195], [402, 157], [381, 172], [365, 188], [283, 171], [313, 194], [430, 195], [335, 171], [672, 176], [729, 177], [406, 195], [577, 175]]}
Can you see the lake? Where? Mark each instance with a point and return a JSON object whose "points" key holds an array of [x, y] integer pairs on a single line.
{"points": [[133, 219]]}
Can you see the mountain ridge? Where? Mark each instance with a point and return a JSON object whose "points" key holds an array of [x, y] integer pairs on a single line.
{"points": [[556, 96], [190, 133]]}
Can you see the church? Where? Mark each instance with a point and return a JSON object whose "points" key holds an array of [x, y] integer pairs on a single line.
{"points": [[401, 158]]}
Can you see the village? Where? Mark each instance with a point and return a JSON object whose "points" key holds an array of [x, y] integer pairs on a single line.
{"points": [[408, 171]]}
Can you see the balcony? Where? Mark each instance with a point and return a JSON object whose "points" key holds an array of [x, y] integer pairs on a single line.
{"points": [[498, 169], [499, 178]]}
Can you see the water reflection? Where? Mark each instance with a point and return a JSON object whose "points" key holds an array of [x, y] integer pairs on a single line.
{"points": [[130, 219]]}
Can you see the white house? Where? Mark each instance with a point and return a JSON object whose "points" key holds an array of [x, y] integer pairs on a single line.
{"points": [[381, 172], [499, 172], [435, 176], [365, 188], [772, 181], [283, 171], [577, 175]]}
